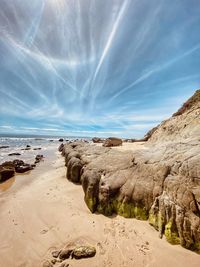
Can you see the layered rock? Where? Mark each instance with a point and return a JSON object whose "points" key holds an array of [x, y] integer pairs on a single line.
{"points": [[160, 183]]}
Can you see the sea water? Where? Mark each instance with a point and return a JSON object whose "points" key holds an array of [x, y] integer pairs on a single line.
{"points": [[38, 145]]}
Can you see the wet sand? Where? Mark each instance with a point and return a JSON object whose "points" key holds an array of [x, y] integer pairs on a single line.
{"points": [[44, 211]]}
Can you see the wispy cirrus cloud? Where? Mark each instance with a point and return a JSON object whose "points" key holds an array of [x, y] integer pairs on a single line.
{"points": [[95, 67]]}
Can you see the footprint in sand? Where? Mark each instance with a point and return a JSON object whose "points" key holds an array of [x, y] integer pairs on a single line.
{"points": [[102, 251], [144, 247], [43, 231]]}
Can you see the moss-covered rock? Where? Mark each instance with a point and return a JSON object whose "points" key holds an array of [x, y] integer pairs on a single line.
{"points": [[171, 233], [127, 210], [157, 221], [91, 203]]}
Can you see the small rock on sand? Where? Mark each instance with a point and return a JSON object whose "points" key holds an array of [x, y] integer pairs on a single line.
{"points": [[55, 253], [14, 154], [65, 254], [83, 252]]}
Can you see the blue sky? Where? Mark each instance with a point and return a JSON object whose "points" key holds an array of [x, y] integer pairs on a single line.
{"points": [[87, 68]]}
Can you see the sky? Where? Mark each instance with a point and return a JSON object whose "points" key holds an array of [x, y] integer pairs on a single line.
{"points": [[96, 67]]}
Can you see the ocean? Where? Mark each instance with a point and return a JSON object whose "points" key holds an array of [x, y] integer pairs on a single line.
{"points": [[37, 144]]}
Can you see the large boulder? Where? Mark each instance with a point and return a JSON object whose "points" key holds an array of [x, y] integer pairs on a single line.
{"points": [[7, 171], [112, 141], [74, 167]]}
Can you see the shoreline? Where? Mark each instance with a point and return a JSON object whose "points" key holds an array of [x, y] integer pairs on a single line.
{"points": [[48, 212]]}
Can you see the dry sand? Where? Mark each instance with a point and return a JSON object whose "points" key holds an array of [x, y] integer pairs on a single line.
{"points": [[44, 211]]}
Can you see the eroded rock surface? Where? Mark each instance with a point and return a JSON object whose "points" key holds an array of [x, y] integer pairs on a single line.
{"points": [[160, 183], [7, 170], [112, 141], [83, 252]]}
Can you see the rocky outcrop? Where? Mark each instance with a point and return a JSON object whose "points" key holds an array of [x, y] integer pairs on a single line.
{"points": [[14, 154], [112, 141], [183, 126], [97, 140], [189, 104], [3, 147], [159, 183], [21, 167], [60, 148], [7, 170]]}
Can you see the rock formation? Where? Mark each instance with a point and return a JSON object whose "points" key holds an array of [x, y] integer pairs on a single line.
{"points": [[73, 251], [112, 141], [160, 183], [9, 168], [97, 140]]}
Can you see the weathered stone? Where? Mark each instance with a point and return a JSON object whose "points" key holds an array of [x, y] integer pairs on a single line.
{"points": [[74, 167], [14, 154], [6, 172], [83, 252], [61, 140], [71, 154], [65, 254], [38, 158], [23, 168], [60, 149], [56, 253], [53, 261], [112, 141], [90, 182], [8, 164]]}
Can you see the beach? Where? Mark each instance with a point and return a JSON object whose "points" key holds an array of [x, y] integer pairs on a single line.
{"points": [[42, 211]]}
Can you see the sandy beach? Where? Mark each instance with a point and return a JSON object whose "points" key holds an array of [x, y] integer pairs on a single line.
{"points": [[44, 212]]}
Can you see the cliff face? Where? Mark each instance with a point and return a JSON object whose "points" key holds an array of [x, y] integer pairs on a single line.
{"points": [[184, 125], [159, 183], [176, 144]]}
